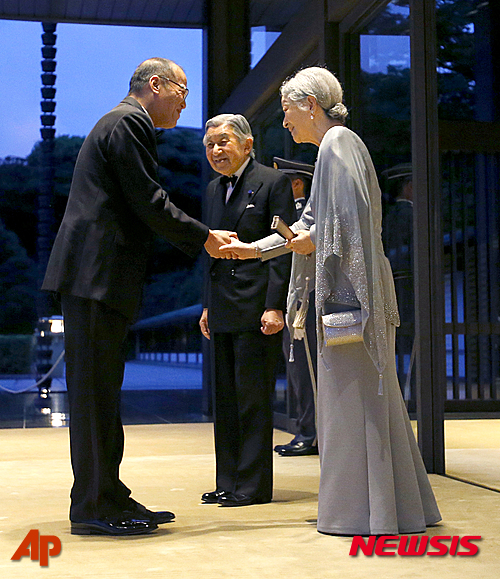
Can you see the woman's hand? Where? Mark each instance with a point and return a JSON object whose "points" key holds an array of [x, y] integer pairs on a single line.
{"points": [[301, 243], [272, 322], [238, 250]]}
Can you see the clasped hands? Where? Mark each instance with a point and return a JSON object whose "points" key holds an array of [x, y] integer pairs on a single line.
{"points": [[237, 249], [226, 245], [218, 238]]}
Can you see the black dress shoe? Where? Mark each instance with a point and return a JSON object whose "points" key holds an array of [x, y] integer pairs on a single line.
{"points": [[299, 449], [116, 526], [138, 511], [238, 500], [213, 497], [279, 447]]}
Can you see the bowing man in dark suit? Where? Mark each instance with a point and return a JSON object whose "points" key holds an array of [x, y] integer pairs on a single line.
{"points": [[243, 313], [97, 265]]}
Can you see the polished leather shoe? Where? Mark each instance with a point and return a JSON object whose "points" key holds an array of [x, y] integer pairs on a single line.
{"points": [[309, 440], [138, 511], [237, 500], [116, 526], [299, 449], [213, 497]]}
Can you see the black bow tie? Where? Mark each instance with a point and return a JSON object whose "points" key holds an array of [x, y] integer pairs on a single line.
{"points": [[225, 179]]}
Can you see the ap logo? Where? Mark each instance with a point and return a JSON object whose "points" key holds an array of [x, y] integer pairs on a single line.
{"points": [[42, 546]]}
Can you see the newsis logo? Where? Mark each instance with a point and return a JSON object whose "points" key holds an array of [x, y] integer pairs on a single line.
{"points": [[415, 545]]}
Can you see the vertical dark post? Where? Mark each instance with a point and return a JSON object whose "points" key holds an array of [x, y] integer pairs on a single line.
{"points": [[226, 54], [47, 131], [329, 43], [226, 50], [45, 197], [428, 241]]}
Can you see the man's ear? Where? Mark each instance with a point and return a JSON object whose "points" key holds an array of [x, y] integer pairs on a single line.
{"points": [[154, 83], [248, 145]]}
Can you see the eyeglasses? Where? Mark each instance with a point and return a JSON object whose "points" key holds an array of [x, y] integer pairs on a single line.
{"points": [[184, 89]]}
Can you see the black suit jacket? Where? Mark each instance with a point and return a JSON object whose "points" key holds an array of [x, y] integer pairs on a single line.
{"points": [[115, 205], [237, 292]]}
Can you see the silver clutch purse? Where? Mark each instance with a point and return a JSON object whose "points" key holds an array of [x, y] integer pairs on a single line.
{"points": [[342, 328]]}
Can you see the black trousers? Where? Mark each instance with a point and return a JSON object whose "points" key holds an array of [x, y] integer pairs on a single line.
{"points": [[299, 382], [243, 378], [298, 376], [95, 364]]}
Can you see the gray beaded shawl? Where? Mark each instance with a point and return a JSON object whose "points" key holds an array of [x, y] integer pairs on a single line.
{"points": [[351, 267]]}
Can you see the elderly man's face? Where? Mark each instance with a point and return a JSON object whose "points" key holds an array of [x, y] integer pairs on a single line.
{"points": [[225, 152]]}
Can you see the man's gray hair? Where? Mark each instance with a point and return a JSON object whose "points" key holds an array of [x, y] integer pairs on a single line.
{"points": [[322, 85], [142, 74], [238, 123]]}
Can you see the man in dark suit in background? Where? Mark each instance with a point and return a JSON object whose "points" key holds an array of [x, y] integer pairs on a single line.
{"points": [[97, 265], [397, 234], [300, 367], [243, 313]]}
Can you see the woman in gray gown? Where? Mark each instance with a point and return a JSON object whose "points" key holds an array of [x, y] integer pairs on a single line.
{"points": [[373, 480]]}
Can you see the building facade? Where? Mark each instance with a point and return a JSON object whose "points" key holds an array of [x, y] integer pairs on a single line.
{"points": [[421, 80]]}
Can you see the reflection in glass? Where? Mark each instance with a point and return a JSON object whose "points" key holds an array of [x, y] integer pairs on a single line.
{"points": [[465, 72], [385, 115], [470, 173], [385, 126], [261, 40]]}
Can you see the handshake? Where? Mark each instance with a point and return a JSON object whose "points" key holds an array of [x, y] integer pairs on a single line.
{"points": [[218, 238], [226, 245]]}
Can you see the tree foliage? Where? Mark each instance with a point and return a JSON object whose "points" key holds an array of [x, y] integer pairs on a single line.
{"points": [[180, 157], [175, 278], [20, 182], [385, 96], [457, 57], [17, 286]]}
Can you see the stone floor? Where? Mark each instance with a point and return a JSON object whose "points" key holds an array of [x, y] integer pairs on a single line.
{"points": [[170, 465]]}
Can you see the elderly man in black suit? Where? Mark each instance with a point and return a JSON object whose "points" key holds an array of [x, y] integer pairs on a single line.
{"points": [[97, 265], [243, 313]]}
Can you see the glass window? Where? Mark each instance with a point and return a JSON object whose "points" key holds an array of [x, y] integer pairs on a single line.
{"points": [[262, 40], [465, 73], [382, 117], [468, 104], [384, 107]]}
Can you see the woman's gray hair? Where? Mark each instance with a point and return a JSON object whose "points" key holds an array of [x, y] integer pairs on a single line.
{"points": [[142, 74], [238, 123], [322, 85]]}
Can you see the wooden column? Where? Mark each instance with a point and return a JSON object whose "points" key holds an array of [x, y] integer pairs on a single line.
{"points": [[429, 290], [226, 51], [226, 54], [329, 43]]}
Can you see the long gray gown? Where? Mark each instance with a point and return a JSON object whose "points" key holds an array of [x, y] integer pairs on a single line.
{"points": [[373, 480]]}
